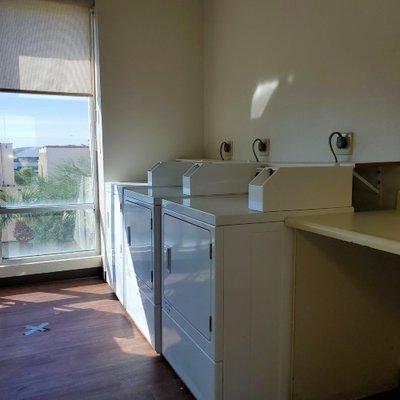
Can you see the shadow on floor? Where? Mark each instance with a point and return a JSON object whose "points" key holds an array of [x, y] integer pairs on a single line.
{"points": [[92, 351], [391, 395]]}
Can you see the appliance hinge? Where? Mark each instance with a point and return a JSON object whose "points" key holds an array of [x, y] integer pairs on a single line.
{"points": [[151, 223], [210, 323], [211, 251], [120, 206], [151, 276]]}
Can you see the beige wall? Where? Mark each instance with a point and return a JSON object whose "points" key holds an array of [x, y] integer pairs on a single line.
{"points": [[151, 83], [324, 65], [293, 71]]}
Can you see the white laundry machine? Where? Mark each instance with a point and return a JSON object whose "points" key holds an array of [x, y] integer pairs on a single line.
{"points": [[227, 279], [113, 263], [142, 257], [165, 173], [142, 235]]}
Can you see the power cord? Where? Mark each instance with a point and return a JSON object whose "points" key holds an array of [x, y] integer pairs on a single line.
{"points": [[341, 143], [261, 147], [224, 147]]}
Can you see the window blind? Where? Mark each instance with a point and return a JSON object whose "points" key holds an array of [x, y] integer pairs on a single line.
{"points": [[45, 46]]}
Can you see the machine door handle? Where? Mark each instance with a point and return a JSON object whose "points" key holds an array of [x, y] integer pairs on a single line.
{"points": [[129, 235], [169, 267]]}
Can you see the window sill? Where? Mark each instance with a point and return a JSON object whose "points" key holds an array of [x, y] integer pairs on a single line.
{"points": [[42, 267]]}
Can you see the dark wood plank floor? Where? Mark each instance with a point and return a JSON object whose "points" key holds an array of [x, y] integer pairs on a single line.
{"points": [[391, 395], [92, 350]]}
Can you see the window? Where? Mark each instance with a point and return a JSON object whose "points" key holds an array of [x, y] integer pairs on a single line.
{"points": [[48, 191]]}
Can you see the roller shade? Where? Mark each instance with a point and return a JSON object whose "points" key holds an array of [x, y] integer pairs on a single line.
{"points": [[45, 46]]}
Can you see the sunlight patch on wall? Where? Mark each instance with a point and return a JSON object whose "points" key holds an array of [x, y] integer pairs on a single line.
{"points": [[261, 97]]}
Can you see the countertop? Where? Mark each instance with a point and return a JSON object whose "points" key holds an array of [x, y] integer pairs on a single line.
{"points": [[375, 229]]}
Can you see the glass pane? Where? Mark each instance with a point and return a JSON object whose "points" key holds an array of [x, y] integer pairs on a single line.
{"points": [[46, 233], [45, 153]]}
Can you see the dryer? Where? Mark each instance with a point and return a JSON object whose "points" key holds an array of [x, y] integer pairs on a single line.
{"points": [[142, 238], [142, 235], [113, 258], [227, 279], [164, 173]]}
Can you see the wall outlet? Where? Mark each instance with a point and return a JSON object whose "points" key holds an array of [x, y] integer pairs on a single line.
{"points": [[263, 155], [267, 143], [349, 149], [228, 154]]}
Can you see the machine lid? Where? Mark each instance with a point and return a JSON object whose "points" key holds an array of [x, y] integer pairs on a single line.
{"points": [[232, 210], [153, 195]]}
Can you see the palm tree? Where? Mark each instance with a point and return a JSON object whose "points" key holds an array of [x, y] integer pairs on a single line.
{"points": [[63, 186]]}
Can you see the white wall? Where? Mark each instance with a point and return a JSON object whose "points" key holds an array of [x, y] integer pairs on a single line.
{"points": [[331, 65], [151, 83]]}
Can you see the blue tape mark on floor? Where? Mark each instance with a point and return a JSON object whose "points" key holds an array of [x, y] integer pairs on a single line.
{"points": [[30, 329]]}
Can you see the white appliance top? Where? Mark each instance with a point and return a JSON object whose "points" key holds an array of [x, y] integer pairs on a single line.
{"points": [[118, 183], [116, 186], [153, 194], [232, 210]]}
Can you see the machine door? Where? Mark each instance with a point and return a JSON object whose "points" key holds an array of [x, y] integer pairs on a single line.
{"points": [[187, 273], [117, 227], [110, 251], [139, 237]]}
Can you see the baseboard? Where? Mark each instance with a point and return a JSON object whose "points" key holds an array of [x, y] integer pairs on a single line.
{"points": [[52, 276]]}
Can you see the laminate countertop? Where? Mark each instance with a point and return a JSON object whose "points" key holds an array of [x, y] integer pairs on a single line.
{"points": [[378, 230]]}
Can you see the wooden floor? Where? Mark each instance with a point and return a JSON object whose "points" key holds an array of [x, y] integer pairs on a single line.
{"points": [[391, 395], [92, 350]]}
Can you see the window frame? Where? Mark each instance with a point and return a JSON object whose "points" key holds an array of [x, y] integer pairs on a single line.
{"points": [[93, 131]]}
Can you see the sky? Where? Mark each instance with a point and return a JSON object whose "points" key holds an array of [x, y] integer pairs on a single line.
{"points": [[28, 120]]}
